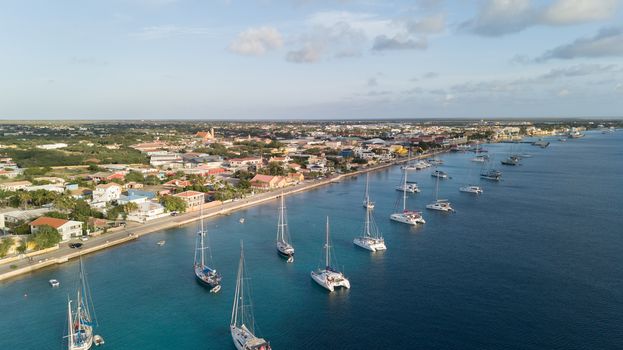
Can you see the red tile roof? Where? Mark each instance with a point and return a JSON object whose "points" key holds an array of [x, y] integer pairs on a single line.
{"points": [[44, 220]]}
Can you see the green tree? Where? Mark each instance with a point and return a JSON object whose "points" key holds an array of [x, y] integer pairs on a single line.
{"points": [[5, 245], [22, 229], [151, 180], [134, 176], [46, 237], [172, 203]]}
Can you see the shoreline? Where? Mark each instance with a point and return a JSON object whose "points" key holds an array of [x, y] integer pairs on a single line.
{"points": [[98, 243]]}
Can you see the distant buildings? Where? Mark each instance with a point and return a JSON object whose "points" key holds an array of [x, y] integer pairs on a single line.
{"points": [[268, 181], [14, 186], [52, 146]]}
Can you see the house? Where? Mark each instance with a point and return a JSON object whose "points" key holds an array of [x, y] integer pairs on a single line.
{"points": [[294, 166], [10, 217], [52, 146], [245, 162], [148, 194], [177, 183], [147, 211], [206, 136], [14, 186], [67, 228], [267, 181], [194, 200], [49, 188], [122, 200], [10, 173], [295, 177], [51, 179], [169, 160], [106, 192], [115, 176]]}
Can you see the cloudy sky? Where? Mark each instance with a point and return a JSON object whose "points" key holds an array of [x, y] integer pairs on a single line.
{"points": [[295, 59]]}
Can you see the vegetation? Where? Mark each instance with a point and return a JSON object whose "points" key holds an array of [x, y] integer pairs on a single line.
{"points": [[5, 245], [45, 237], [172, 203]]}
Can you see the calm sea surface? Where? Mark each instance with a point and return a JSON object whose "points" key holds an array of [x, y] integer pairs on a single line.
{"points": [[536, 262]]}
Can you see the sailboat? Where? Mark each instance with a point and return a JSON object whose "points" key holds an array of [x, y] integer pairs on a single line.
{"points": [[371, 238], [284, 247], [407, 186], [479, 158], [409, 165], [80, 323], [409, 217], [489, 173], [242, 322], [328, 277], [206, 275], [367, 203], [470, 188], [439, 204]]}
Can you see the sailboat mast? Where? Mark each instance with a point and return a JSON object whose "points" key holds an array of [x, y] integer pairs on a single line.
{"points": [[234, 311], [404, 192], [367, 233], [367, 195], [437, 189], [71, 326], [202, 233], [326, 259]]}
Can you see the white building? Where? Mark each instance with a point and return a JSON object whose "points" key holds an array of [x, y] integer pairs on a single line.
{"points": [[107, 192], [53, 146], [67, 228], [147, 211]]}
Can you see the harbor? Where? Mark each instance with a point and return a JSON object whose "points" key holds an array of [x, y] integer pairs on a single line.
{"points": [[516, 261]]}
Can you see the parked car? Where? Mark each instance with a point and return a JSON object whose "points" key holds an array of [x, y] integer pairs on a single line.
{"points": [[84, 238], [75, 245]]}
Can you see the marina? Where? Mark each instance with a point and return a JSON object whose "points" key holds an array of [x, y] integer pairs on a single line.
{"points": [[561, 265]]}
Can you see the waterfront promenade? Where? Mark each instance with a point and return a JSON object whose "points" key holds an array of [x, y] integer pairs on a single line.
{"points": [[135, 230]]}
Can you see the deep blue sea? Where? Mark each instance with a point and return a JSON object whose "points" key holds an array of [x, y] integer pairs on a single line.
{"points": [[536, 262]]}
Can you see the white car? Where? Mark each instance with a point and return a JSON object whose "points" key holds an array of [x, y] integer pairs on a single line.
{"points": [[84, 238]]}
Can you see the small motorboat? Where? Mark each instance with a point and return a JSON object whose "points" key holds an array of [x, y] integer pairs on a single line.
{"points": [[216, 289], [241, 220], [161, 243], [54, 283], [98, 340]]}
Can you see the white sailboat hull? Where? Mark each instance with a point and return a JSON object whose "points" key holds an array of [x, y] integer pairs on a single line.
{"points": [[87, 343], [471, 189], [371, 244], [407, 219], [439, 207], [330, 279], [368, 205], [245, 340]]}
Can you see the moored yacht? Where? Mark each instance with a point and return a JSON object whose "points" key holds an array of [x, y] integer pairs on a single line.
{"points": [[371, 238], [471, 189], [284, 247], [242, 323], [410, 187], [492, 174], [439, 174], [329, 277], [481, 158], [80, 321], [512, 160], [439, 204], [367, 203], [409, 217], [205, 274]]}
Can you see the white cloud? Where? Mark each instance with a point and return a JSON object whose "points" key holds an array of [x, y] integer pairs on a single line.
{"points": [[578, 11], [501, 17], [338, 40], [563, 92], [608, 42], [256, 41], [398, 42], [427, 25], [306, 54]]}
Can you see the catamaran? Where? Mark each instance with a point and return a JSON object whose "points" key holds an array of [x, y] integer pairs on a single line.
{"points": [[284, 248], [329, 277], [410, 187], [242, 325], [409, 217], [367, 203], [206, 275], [371, 238], [439, 174], [439, 204], [471, 189], [80, 322], [409, 165]]}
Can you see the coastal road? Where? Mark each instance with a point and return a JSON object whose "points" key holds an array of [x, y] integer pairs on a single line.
{"points": [[135, 230]]}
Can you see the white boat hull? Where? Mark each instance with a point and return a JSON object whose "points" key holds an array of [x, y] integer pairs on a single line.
{"points": [[438, 207], [402, 218], [471, 189], [371, 244], [330, 279], [245, 340], [88, 341]]}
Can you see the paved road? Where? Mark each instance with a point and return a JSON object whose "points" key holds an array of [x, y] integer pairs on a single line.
{"points": [[134, 230]]}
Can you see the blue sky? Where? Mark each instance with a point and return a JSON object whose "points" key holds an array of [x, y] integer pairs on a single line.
{"points": [[219, 59]]}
